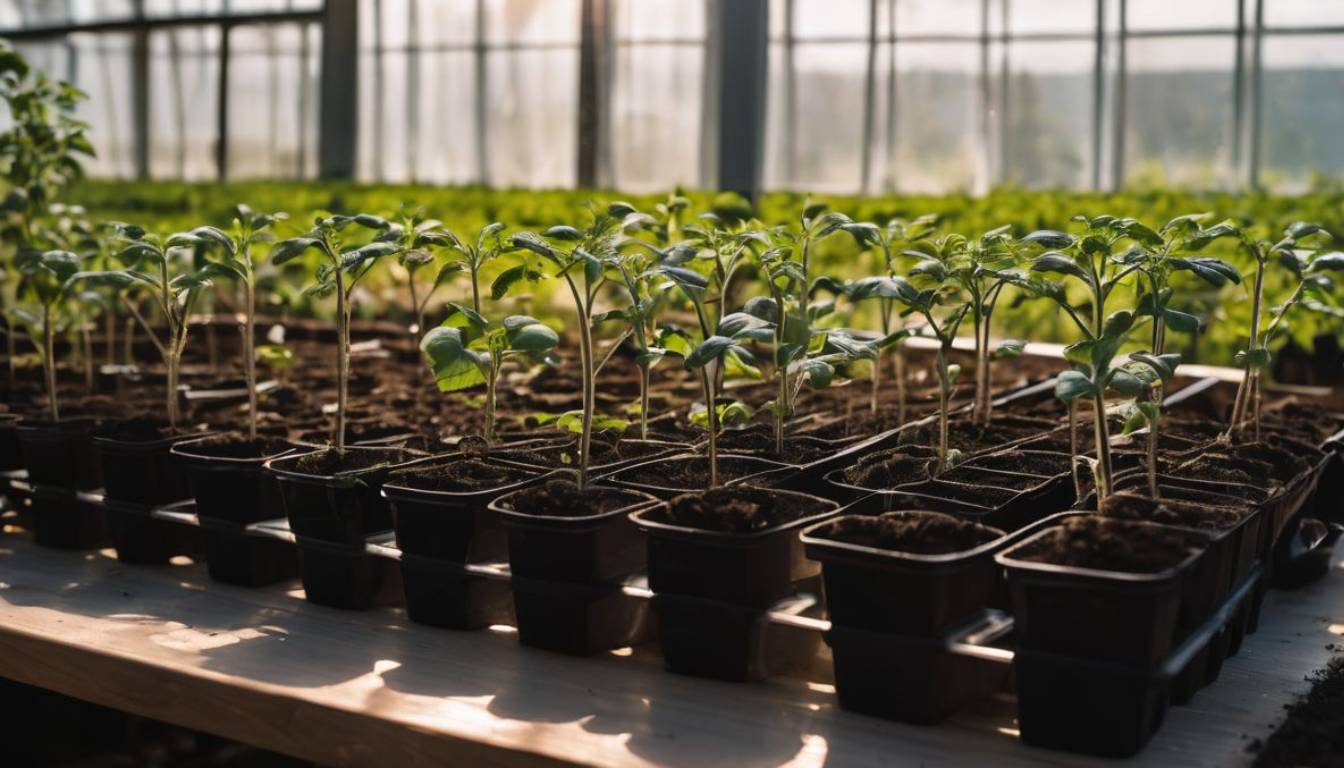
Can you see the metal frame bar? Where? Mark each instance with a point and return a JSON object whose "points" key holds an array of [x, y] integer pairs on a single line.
{"points": [[1120, 104]]}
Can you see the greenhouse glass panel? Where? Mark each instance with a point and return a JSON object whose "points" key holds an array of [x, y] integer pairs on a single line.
{"points": [[938, 17], [658, 61], [1162, 15], [938, 112], [103, 71], [1303, 13], [183, 108], [271, 94], [532, 117], [532, 22], [445, 149], [1302, 112], [1055, 16], [819, 145], [1048, 141], [1178, 127]]}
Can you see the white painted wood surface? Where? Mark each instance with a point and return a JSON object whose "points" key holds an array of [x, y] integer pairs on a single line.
{"points": [[264, 667]]}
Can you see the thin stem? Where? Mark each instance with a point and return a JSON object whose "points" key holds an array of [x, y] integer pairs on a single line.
{"points": [[1103, 439], [900, 385], [644, 375], [250, 356], [944, 390], [476, 289], [342, 356], [110, 332], [587, 374], [86, 339], [712, 411], [1073, 450], [491, 383], [49, 363]]}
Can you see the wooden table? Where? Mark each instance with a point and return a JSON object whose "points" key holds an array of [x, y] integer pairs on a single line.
{"points": [[264, 667]]}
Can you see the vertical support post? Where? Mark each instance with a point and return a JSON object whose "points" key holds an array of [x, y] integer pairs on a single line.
{"points": [[1257, 92], [709, 97], [481, 102], [591, 104], [741, 97], [790, 111], [338, 127], [986, 100], [1121, 98], [1239, 94], [140, 101], [222, 109], [888, 177], [869, 105], [1098, 93], [1005, 96], [413, 90]]}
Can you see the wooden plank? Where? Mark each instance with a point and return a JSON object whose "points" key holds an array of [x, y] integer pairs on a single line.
{"points": [[348, 688]]}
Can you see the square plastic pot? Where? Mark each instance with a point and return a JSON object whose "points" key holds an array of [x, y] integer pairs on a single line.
{"points": [[727, 641], [60, 455], [61, 520], [444, 594], [340, 576], [752, 470], [752, 570], [340, 509], [143, 472], [142, 539], [11, 455], [231, 489]]}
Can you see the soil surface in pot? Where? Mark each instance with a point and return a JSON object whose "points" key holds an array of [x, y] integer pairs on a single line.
{"points": [[331, 461], [797, 449], [979, 476], [740, 509], [137, 429], [1107, 544], [689, 473], [892, 467], [918, 533], [236, 446], [1039, 463], [561, 497], [458, 476], [565, 455], [1225, 468], [1206, 517]]}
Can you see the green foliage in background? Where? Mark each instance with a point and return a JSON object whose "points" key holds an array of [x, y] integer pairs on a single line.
{"points": [[173, 206]]}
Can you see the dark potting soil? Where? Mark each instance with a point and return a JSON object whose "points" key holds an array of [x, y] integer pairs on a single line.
{"points": [[1283, 464], [1107, 544], [1132, 506], [561, 497], [330, 461], [1313, 732], [457, 476], [1040, 463], [892, 467], [740, 509], [798, 449], [141, 428], [918, 533], [1219, 495], [689, 472], [566, 455], [236, 446], [1227, 468], [987, 496], [979, 476], [1308, 418]]}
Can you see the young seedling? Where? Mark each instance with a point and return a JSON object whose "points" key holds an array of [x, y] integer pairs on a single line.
{"points": [[419, 240], [889, 241], [50, 277], [236, 250], [1090, 259], [1154, 371], [582, 258], [634, 264], [468, 350], [719, 342], [341, 268], [41, 153], [789, 278], [1301, 252]]}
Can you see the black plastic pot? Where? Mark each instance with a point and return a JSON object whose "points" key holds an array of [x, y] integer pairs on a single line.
{"points": [[568, 574], [331, 517], [143, 539], [60, 519], [1010, 509], [60, 455], [738, 469], [232, 492], [440, 531], [713, 588], [143, 472], [518, 455], [11, 455], [1089, 643]]}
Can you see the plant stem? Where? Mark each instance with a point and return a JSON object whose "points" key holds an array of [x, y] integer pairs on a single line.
{"points": [[1103, 438], [1073, 450], [475, 290], [644, 375], [111, 333], [944, 390], [49, 363], [712, 411], [900, 384], [250, 355], [342, 356], [86, 339], [589, 394], [490, 386], [1244, 389], [781, 407]]}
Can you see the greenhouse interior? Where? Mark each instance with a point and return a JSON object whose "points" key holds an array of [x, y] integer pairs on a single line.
{"points": [[672, 382]]}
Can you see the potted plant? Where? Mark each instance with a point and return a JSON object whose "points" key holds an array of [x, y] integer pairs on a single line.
{"points": [[570, 542], [332, 495], [226, 471], [439, 505]]}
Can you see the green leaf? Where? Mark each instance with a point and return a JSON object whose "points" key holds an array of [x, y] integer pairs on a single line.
{"points": [[1180, 322], [1049, 238], [455, 367], [288, 250], [1215, 272], [563, 232], [1333, 261], [462, 316], [1008, 348], [1060, 263], [508, 278], [707, 351], [1072, 385], [526, 334], [817, 373], [1126, 383], [1162, 365], [1118, 324]]}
